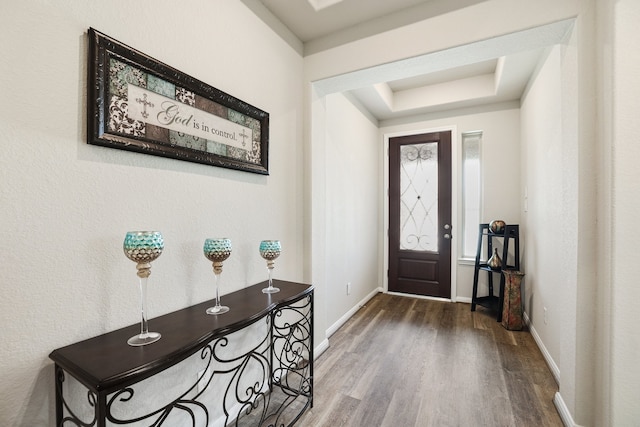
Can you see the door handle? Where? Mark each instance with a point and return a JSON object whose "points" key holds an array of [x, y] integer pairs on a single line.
{"points": [[447, 227], [447, 236]]}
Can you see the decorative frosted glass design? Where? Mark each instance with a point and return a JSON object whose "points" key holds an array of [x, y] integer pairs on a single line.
{"points": [[471, 195], [419, 197]]}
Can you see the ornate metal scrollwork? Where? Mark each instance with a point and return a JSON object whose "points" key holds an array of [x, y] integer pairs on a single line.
{"points": [[260, 379], [190, 401], [292, 352], [418, 205], [72, 418]]}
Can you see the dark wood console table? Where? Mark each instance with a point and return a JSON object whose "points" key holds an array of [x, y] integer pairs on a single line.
{"points": [[252, 366]]}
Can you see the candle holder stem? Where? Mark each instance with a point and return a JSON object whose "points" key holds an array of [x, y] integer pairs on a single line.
{"points": [[145, 337], [270, 272], [144, 324], [270, 289], [217, 309], [217, 277]]}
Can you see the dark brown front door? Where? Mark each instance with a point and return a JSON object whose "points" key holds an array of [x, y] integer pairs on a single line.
{"points": [[420, 214]]}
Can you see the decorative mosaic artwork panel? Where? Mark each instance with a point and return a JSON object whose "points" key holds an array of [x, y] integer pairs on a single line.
{"points": [[121, 75]]}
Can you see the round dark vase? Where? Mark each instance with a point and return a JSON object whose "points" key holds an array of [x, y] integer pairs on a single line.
{"points": [[497, 226]]}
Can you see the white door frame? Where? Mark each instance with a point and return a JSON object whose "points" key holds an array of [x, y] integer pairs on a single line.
{"points": [[455, 161]]}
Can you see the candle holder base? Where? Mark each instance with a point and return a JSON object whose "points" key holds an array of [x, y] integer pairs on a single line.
{"points": [[217, 309], [143, 339]]}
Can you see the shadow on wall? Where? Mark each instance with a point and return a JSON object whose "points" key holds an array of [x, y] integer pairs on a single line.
{"points": [[40, 409], [526, 289]]}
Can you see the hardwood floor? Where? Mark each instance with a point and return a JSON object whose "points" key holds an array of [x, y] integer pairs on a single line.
{"points": [[405, 362]]}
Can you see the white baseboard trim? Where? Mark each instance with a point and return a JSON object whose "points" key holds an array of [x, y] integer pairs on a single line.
{"points": [[333, 328], [555, 371], [565, 414], [324, 345], [456, 299], [320, 348], [400, 294]]}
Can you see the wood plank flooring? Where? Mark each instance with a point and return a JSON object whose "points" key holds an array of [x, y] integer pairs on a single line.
{"points": [[408, 362]]}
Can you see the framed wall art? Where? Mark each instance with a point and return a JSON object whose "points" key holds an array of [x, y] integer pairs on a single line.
{"points": [[139, 104]]}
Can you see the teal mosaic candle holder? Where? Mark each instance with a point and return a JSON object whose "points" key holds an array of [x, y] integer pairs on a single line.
{"points": [[142, 247], [270, 250], [217, 251]]}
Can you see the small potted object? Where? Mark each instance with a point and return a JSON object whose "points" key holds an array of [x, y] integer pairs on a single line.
{"points": [[495, 262], [497, 226]]}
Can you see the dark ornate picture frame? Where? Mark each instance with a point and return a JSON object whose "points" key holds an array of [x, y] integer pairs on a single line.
{"points": [[137, 103]]}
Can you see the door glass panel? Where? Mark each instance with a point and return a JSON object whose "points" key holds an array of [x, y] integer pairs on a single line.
{"points": [[419, 197]]}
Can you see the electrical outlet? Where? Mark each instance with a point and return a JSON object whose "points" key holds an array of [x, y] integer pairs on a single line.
{"points": [[545, 315], [348, 288]]}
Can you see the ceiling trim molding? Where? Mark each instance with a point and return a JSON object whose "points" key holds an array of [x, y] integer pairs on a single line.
{"points": [[322, 4], [508, 44], [275, 24]]}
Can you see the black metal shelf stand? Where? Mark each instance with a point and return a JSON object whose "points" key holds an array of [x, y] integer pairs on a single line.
{"points": [[510, 235]]}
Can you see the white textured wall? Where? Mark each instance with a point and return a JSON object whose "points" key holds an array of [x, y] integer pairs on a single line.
{"points": [[625, 292], [342, 218], [605, 137], [545, 255], [65, 205], [352, 199], [558, 174], [500, 169]]}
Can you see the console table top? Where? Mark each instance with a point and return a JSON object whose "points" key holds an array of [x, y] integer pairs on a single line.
{"points": [[108, 363]]}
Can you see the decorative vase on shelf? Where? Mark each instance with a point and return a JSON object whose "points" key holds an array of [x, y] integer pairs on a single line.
{"points": [[497, 226], [495, 261]]}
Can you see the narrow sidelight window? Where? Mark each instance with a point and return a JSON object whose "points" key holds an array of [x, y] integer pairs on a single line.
{"points": [[471, 191]]}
